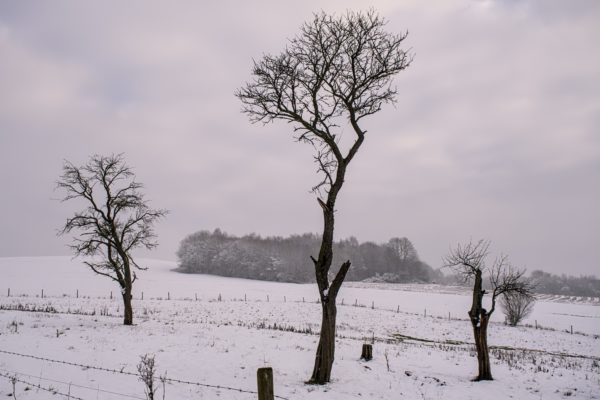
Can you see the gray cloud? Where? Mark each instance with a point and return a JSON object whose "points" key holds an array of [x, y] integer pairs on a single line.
{"points": [[495, 132]]}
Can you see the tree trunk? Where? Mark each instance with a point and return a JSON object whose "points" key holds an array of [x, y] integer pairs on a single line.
{"points": [[127, 309], [483, 354], [326, 349], [479, 319]]}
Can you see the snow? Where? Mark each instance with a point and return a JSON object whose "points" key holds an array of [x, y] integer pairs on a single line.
{"points": [[224, 342]]}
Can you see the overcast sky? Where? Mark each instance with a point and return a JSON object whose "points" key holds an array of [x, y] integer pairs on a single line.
{"points": [[495, 134]]}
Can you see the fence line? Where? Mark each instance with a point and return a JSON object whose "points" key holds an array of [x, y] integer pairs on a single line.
{"points": [[427, 313], [51, 390], [173, 380], [14, 373]]}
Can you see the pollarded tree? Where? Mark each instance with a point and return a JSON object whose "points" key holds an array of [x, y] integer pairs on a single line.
{"points": [[468, 261], [115, 221], [336, 72]]}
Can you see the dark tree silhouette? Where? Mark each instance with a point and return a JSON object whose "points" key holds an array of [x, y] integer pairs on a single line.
{"points": [[469, 262], [333, 74], [115, 221]]}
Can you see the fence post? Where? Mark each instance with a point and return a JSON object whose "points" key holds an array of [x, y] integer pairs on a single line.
{"points": [[111, 294], [196, 294], [244, 297], [571, 329], [372, 305], [42, 293], [168, 295], [425, 313], [398, 309], [264, 379], [267, 298], [8, 292], [142, 295]]}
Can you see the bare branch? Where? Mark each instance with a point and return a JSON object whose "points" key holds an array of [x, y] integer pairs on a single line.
{"points": [[467, 259]]}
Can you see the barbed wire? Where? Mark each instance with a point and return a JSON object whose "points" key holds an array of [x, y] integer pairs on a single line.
{"points": [[69, 363], [15, 373], [172, 380], [51, 390]]}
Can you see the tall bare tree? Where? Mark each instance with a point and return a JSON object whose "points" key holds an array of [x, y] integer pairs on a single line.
{"points": [[337, 71], [404, 249], [115, 221], [469, 262]]}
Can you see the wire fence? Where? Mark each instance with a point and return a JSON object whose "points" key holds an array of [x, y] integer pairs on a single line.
{"points": [[14, 374], [123, 372], [14, 378]]}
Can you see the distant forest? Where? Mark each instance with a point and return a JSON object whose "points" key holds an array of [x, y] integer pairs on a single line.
{"points": [[287, 259], [546, 283]]}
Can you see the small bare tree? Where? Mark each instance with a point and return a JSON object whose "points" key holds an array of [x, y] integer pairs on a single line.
{"points": [[516, 307], [469, 262], [117, 220], [335, 73]]}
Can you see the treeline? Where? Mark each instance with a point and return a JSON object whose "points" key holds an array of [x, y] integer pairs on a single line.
{"points": [[287, 259], [565, 284], [544, 283]]}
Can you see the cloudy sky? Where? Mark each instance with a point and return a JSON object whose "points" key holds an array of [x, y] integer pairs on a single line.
{"points": [[495, 134]]}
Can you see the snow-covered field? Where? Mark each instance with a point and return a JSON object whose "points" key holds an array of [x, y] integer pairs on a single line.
{"points": [[422, 339]]}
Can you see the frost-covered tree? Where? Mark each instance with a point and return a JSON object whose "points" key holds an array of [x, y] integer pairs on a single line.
{"points": [[116, 220], [335, 73]]}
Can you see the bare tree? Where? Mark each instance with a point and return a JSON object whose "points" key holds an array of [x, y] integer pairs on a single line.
{"points": [[404, 249], [115, 221], [516, 307], [469, 262], [335, 73]]}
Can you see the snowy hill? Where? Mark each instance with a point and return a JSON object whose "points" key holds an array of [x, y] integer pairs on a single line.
{"points": [[418, 352]]}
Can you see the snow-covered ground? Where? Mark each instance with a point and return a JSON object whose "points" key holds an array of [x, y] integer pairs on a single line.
{"points": [[421, 338]]}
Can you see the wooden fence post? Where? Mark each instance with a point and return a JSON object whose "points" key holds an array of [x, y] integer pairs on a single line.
{"points": [[8, 292], [264, 379], [77, 295], [111, 294], [42, 293], [142, 295]]}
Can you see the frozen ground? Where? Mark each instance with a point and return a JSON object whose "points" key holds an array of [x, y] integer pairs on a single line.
{"points": [[256, 324]]}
